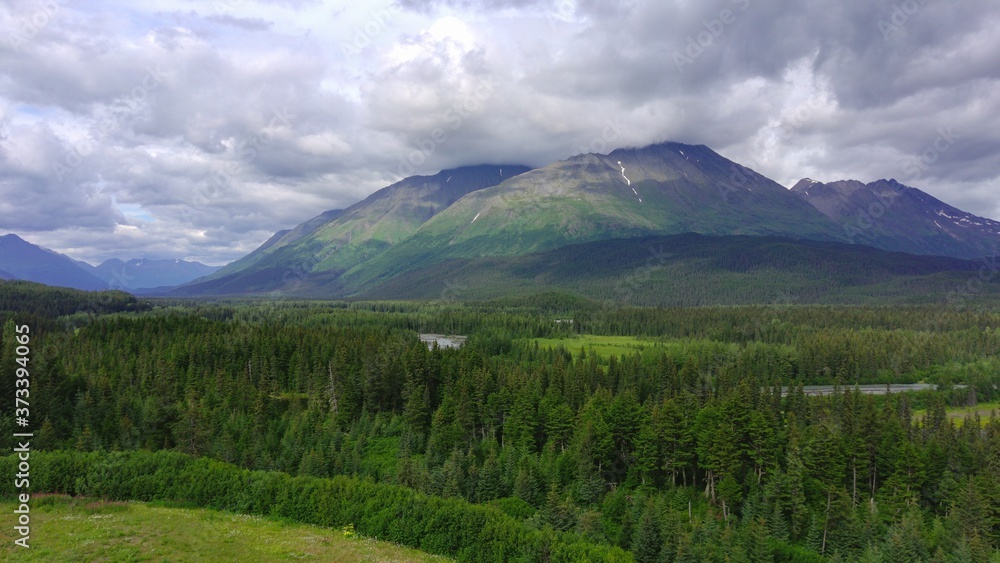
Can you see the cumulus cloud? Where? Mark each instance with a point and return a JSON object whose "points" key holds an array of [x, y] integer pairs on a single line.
{"points": [[195, 130]]}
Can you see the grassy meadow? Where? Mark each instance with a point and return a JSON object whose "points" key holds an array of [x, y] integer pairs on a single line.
{"points": [[73, 529], [602, 346], [958, 415]]}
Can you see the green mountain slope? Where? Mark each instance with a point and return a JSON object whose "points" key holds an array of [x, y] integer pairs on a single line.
{"points": [[277, 241], [663, 189], [317, 251], [692, 270], [668, 188]]}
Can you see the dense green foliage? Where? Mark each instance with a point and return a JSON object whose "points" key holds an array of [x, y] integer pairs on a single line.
{"points": [[684, 451], [443, 526], [698, 270], [40, 303]]}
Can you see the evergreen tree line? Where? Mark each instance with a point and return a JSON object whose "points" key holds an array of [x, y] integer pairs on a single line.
{"points": [[442, 526], [686, 451]]}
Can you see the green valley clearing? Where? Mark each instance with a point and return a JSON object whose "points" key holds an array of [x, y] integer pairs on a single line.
{"points": [[603, 346], [958, 415], [65, 529]]}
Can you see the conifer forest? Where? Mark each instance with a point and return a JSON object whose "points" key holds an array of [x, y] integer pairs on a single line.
{"points": [[560, 430]]}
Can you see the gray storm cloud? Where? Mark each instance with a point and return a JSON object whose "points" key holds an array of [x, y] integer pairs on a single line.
{"points": [[129, 131]]}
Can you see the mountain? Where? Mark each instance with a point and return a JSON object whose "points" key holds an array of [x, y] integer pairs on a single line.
{"points": [[25, 261], [892, 216], [658, 190], [320, 249], [145, 273], [278, 240], [668, 188], [695, 270], [22, 260]]}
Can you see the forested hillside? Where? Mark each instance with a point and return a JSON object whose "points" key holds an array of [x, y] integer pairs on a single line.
{"points": [[698, 270], [684, 450]]}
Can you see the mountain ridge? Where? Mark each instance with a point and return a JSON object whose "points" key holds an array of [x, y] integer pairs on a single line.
{"points": [[22, 260], [888, 214], [353, 235], [667, 188], [661, 189], [26, 261], [145, 273], [495, 211]]}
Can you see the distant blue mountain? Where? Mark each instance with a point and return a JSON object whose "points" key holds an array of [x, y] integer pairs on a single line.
{"points": [[141, 273], [19, 259], [25, 261]]}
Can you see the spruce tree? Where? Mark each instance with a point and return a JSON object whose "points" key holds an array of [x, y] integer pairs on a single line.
{"points": [[526, 486], [777, 525], [646, 542], [759, 549], [490, 484]]}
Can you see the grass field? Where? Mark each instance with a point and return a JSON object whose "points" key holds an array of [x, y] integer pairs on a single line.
{"points": [[958, 414], [65, 529], [603, 346]]}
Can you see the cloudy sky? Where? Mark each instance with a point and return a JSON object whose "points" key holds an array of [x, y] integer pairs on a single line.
{"points": [[169, 128]]}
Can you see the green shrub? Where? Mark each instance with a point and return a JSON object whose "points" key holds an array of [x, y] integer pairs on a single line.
{"points": [[448, 527], [515, 507]]}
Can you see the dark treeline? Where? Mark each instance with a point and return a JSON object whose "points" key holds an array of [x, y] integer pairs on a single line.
{"points": [[685, 451], [40, 305]]}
